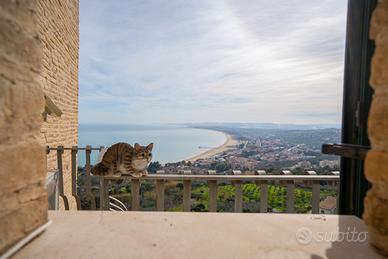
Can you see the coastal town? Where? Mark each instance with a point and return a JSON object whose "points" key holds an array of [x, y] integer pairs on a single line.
{"points": [[248, 151], [245, 151]]}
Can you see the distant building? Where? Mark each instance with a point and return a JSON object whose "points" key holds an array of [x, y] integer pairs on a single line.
{"points": [[329, 163], [328, 205], [302, 164], [236, 172]]}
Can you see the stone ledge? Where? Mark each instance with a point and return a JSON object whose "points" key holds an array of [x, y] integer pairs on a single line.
{"points": [[193, 235]]}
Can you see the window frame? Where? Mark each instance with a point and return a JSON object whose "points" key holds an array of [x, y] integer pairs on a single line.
{"points": [[357, 96]]}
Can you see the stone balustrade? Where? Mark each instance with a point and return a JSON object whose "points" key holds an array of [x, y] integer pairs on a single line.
{"points": [[260, 178]]}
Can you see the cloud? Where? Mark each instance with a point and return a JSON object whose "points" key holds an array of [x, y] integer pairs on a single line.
{"points": [[180, 61]]}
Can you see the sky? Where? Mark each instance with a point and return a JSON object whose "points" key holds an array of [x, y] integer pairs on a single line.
{"points": [[180, 61]]}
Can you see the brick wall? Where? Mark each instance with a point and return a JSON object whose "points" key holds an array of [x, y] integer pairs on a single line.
{"points": [[376, 164], [23, 199], [59, 32]]}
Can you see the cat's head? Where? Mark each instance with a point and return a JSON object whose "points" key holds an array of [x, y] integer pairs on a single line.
{"points": [[143, 152]]}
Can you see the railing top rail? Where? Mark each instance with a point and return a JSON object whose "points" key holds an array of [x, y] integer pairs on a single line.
{"points": [[71, 148], [181, 177]]}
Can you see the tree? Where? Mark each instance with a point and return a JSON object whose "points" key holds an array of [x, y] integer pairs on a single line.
{"points": [[153, 166], [220, 166]]}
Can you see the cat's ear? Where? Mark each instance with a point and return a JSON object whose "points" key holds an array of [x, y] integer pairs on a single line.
{"points": [[137, 147], [150, 146]]}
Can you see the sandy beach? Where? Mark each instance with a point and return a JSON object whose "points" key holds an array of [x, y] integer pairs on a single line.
{"points": [[229, 143]]}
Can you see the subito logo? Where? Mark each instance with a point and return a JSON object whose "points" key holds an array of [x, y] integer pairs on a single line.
{"points": [[304, 236]]}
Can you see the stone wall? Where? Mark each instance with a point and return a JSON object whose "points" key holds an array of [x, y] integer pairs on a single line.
{"points": [[23, 198], [59, 32], [376, 164]]}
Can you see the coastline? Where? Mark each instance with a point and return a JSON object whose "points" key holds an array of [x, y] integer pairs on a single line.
{"points": [[228, 144]]}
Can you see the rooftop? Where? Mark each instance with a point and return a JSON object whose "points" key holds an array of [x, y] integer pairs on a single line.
{"points": [[328, 203]]}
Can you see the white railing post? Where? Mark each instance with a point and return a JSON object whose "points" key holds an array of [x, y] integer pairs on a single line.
{"points": [[104, 193], [263, 185], [238, 202], [135, 193], [263, 192], [315, 197], [60, 151], [186, 195], [160, 195], [290, 197], [237, 180], [88, 151], [212, 195], [102, 190], [74, 173], [290, 185]]}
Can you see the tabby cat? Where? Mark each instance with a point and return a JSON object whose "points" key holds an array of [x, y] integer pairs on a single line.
{"points": [[122, 158]]}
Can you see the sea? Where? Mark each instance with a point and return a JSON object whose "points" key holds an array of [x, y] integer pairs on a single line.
{"points": [[172, 143]]}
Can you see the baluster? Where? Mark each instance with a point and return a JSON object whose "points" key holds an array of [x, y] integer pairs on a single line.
{"points": [[316, 197], [102, 194], [88, 151], [309, 182], [212, 195], [160, 195], [263, 196], [74, 169], [290, 196], [60, 151], [284, 182], [238, 196], [186, 195], [135, 193], [105, 194], [102, 189]]}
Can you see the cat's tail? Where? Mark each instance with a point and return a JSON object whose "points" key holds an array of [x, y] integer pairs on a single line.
{"points": [[99, 169]]}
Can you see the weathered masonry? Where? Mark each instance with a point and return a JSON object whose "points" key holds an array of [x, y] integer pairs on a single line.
{"points": [[59, 33], [376, 164], [39, 43], [23, 171]]}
